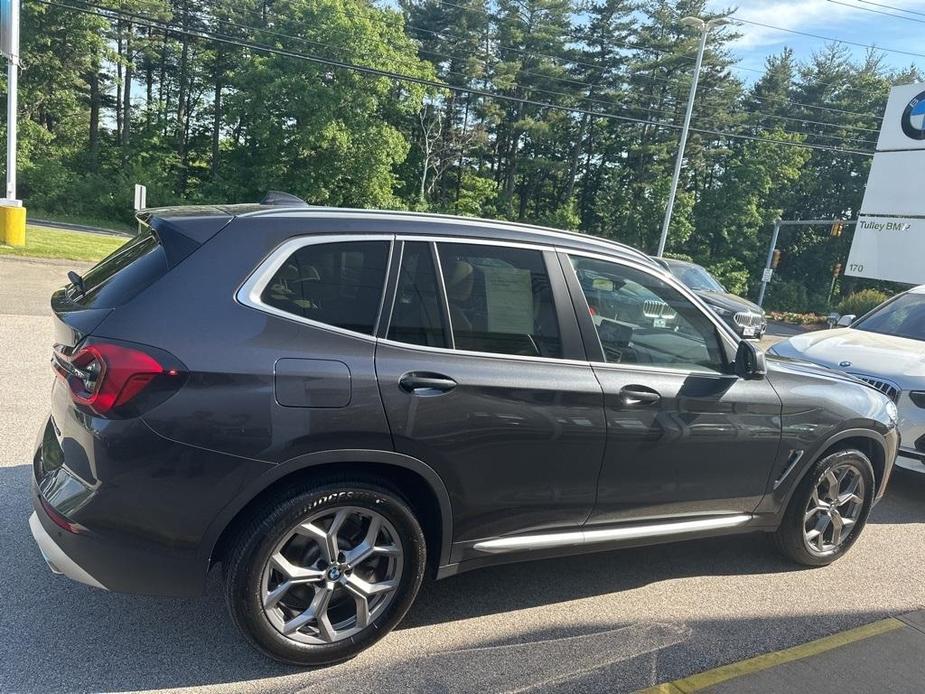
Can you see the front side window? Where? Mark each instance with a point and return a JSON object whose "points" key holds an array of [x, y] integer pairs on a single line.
{"points": [[339, 284], [500, 300], [642, 320]]}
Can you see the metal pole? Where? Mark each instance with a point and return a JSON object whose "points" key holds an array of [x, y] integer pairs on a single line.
{"points": [[680, 159], [12, 79], [767, 265]]}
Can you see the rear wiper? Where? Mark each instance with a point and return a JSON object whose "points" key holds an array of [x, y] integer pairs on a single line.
{"points": [[77, 281]]}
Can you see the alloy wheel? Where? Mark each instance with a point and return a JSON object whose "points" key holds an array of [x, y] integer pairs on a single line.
{"points": [[332, 574], [834, 509]]}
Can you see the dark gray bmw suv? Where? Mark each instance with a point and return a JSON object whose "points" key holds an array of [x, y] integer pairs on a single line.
{"points": [[332, 403]]}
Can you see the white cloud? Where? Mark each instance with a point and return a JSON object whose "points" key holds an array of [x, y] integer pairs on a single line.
{"points": [[814, 16]]}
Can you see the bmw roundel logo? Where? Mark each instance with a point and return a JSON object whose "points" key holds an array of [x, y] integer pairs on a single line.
{"points": [[844, 364], [913, 120]]}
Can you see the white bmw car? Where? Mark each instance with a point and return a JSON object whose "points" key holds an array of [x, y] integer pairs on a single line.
{"points": [[885, 348]]}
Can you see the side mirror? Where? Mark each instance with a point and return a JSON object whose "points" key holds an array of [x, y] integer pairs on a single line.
{"points": [[846, 320], [750, 361]]}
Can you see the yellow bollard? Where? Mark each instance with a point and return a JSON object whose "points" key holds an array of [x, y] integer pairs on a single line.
{"points": [[13, 225]]}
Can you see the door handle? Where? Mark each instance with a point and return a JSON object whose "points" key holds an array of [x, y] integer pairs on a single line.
{"points": [[425, 383], [638, 396]]}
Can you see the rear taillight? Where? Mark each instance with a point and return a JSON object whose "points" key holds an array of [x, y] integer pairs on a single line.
{"points": [[115, 379]]}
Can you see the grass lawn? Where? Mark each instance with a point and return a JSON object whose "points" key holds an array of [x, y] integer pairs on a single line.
{"points": [[42, 242]]}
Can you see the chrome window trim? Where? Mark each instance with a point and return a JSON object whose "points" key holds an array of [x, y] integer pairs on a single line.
{"points": [[484, 355], [500, 243], [248, 294]]}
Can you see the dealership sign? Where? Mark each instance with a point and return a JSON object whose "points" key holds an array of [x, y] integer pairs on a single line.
{"points": [[889, 239]]}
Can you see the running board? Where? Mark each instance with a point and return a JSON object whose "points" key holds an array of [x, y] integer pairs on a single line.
{"points": [[589, 537]]}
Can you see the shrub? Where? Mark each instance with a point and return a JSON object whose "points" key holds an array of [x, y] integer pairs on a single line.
{"points": [[732, 274], [861, 302]]}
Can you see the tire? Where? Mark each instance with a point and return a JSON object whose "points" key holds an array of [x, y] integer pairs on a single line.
{"points": [[799, 536], [294, 528]]}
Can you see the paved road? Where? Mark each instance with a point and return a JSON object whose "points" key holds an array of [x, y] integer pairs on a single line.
{"points": [[609, 622]]}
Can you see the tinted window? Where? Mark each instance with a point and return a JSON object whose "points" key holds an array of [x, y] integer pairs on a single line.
{"points": [[416, 315], [500, 300], [123, 273], [642, 320], [903, 316], [339, 284]]}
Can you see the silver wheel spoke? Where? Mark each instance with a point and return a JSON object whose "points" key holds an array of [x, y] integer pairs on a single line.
{"points": [[271, 598], [317, 611], [294, 574], [847, 498], [811, 513], [837, 526], [327, 540], [358, 586]]}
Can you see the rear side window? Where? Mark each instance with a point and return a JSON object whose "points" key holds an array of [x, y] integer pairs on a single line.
{"points": [[339, 284], [500, 300], [123, 273], [417, 317]]}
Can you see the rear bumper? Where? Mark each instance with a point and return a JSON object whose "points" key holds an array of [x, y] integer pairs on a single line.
{"points": [[140, 504], [57, 560]]}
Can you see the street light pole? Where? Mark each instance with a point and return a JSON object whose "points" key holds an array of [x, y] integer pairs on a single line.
{"points": [[12, 80], [704, 28], [9, 46]]}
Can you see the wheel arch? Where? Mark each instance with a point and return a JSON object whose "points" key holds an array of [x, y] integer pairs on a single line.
{"points": [[421, 486], [868, 441]]}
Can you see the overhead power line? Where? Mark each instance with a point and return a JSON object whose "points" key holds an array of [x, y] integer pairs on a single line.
{"points": [[880, 12], [109, 13], [829, 38], [892, 7]]}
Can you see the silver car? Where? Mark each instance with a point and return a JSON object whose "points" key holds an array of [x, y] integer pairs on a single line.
{"points": [[885, 348]]}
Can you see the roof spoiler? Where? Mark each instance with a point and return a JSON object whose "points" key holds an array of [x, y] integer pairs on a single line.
{"points": [[276, 197]]}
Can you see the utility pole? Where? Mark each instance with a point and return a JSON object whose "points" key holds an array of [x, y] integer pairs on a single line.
{"points": [[704, 28], [12, 213]]}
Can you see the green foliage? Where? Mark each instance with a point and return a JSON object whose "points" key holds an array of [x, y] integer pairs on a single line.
{"points": [[732, 274], [861, 302], [107, 103], [795, 296]]}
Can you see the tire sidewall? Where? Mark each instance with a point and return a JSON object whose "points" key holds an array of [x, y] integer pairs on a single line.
{"points": [[244, 578]]}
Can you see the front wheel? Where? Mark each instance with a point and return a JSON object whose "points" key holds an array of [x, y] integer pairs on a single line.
{"points": [[829, 509], [323, 573]]}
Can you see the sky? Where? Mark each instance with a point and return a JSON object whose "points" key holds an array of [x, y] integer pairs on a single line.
{"points": [[842, 20]]}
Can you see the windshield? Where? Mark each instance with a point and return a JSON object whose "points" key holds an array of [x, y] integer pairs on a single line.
{"points": [[904, 316], [695, 277]]}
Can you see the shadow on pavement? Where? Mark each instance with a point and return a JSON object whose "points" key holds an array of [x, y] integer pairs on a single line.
{"points": [[56, 635]]}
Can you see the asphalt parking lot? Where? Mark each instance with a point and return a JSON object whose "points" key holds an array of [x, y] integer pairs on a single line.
{"points": [[609, 622]]}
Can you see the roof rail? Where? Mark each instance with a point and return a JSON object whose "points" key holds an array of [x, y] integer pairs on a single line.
{"points": [[276, 197]]}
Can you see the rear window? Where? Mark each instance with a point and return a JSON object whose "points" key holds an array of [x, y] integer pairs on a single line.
{"points": [[338, 284], [123, 273]]}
